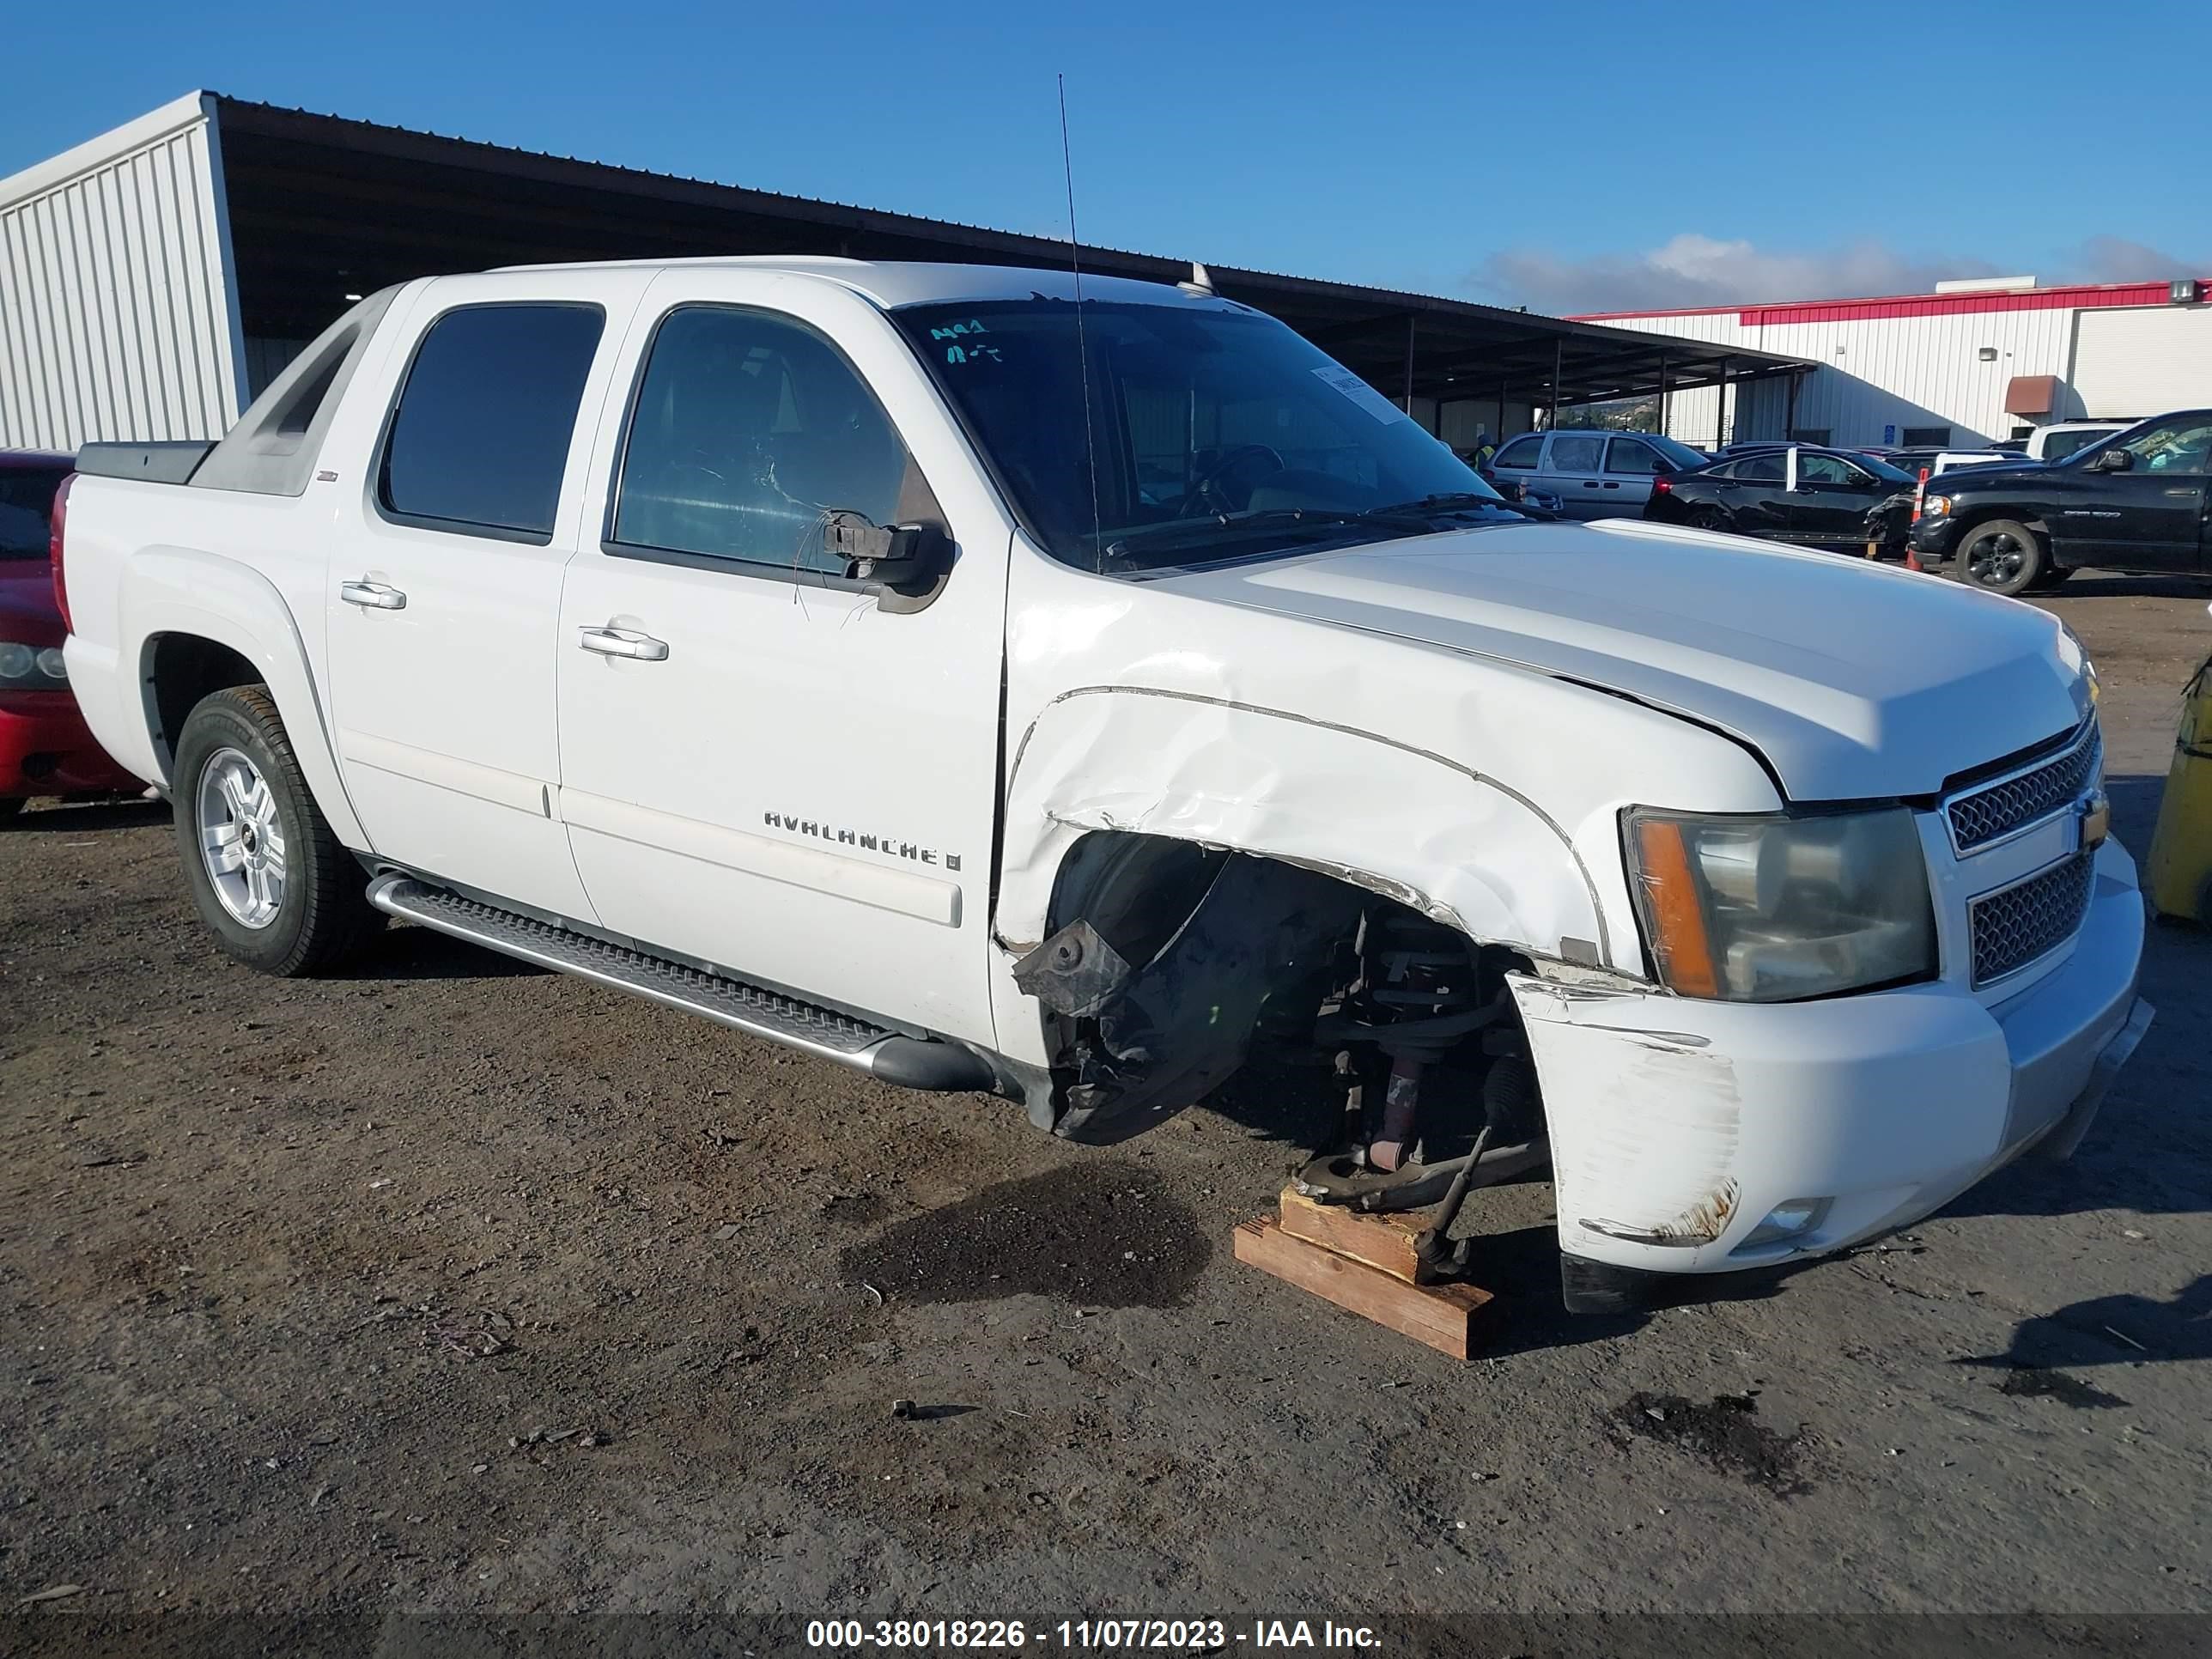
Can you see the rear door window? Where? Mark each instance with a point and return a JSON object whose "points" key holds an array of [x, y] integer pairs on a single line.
{"points": [[1575, 452], [479, 440], [1832, 469], [1761, 469]]}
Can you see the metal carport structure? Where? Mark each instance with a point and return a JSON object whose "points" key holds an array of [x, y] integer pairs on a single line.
{"points": [[152, 278]]}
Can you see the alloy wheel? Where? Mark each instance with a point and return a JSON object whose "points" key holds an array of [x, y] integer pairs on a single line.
{"points": [[1995, 560], [242, 838]]}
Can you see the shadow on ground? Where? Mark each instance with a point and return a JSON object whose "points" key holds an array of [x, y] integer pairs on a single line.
{"points": [[2114, 1330], [425, 953], [85, 818], [2100, 585]]}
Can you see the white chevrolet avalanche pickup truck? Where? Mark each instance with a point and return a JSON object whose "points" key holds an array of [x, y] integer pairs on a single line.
{"points": [[993, 683]]}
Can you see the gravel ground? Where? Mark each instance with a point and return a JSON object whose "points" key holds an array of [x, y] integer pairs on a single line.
{"points": [[453, 1288]]}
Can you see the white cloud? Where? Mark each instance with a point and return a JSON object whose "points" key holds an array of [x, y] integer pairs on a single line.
{"points": [[1691, 270], [2116, 259]]}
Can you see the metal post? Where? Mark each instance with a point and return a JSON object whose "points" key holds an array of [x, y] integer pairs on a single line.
{"points": [[1662, 396], [1501, 414], [1720, 409], [1790, 417], [1411, 320], [1558, 362]]}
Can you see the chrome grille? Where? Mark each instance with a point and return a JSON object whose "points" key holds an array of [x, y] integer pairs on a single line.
{"points": [[2015, 925], [1993, 810]]}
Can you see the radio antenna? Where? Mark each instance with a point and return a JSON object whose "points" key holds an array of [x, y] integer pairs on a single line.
{"points": [[1082, 345]]}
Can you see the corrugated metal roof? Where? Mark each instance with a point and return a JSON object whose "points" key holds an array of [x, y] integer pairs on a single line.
{"points": [[150, 266], [1338, 303]]}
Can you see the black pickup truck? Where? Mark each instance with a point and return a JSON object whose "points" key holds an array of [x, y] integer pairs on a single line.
{"points": [[2136, 501]]}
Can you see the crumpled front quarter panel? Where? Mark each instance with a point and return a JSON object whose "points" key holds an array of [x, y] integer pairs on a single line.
{"points": [[1412, 826]]}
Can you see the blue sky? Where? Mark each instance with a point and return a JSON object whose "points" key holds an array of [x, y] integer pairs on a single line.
{"points": [[1569, 157]]}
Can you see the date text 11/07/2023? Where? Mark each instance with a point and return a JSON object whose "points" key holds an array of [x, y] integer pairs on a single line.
{"points": [[1132, 1635]]}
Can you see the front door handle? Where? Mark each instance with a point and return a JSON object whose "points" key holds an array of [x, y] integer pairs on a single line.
{"points": [[623, 642], [372, 596], [2183, 493]]}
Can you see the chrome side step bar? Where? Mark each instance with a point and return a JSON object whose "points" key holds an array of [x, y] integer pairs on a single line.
{"points": [[911, 1063]]}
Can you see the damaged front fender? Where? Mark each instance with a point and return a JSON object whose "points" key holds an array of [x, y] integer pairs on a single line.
{"points": [[1427, 831]]}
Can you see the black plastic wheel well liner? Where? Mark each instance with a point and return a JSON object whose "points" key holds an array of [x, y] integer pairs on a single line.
{"points": [[1207, 939], [181, 669]]}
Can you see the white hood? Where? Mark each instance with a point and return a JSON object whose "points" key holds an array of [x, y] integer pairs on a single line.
{"points": [[1853, 681]]}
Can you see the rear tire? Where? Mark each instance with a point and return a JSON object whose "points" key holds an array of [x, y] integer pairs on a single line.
{"points": [[2000, 556], [268, 874], [1708, 517]]}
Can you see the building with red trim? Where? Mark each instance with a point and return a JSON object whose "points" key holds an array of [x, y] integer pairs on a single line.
{"points": [[1973, 362]]}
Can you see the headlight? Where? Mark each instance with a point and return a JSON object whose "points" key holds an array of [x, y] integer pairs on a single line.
{"points": [[2072, 655], [1768, 909], [1934, 506], [31, 667]]}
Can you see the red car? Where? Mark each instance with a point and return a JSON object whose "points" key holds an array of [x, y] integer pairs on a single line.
{"points": [[45, 749]]}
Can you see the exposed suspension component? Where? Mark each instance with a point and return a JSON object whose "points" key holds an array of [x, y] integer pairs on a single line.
{"points": [[1432, 1055], [1417, 998]]}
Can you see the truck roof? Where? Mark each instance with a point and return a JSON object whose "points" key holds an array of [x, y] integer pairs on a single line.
{"points": [[890, 284]]}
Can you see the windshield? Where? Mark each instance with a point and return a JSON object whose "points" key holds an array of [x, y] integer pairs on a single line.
{"points": [[1211, 434], [27, 499]]}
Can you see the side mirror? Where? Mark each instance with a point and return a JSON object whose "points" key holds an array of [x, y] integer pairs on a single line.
{"points": [[907, 558], [2112, 460]]}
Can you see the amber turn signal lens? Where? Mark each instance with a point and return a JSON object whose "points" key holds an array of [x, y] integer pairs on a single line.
{"points": [[1678, 920]]}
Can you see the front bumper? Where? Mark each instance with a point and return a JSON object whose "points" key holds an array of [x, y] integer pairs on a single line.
{"points": [[45, 749], [1678, 1126], [1933, 538]]}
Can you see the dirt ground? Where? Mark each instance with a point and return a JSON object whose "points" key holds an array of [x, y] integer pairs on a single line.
{"points": [[452, 1288]]}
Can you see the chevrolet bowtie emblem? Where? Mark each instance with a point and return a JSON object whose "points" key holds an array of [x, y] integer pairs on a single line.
{"points": [[2095, 815]]}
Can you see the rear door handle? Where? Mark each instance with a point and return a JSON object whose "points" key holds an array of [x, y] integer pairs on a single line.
{"points": [[1613, 486], [372, 596], [2181, 492], [623, 642]]}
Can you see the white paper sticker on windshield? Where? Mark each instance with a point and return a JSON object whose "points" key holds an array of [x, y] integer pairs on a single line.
{"points": [[1361, 393]]}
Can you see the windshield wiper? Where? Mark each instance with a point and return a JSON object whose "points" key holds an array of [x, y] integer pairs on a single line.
{"points": [[1407, 517], [1174, 533], [1457, 501]]}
